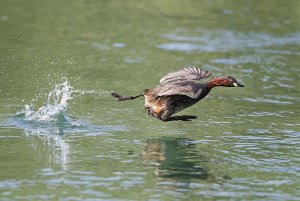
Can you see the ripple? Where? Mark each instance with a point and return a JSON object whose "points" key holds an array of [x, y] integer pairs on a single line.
{"points": [[249, 59], [278, 52], [94, 193], [290, 133], [227, 40], [264, 100], [187, 47], [10, 184], [131, 60], [118, 45], [281, 84], [230, 61], [100, 46], [4, 17], [283, 97], [263, 114]]}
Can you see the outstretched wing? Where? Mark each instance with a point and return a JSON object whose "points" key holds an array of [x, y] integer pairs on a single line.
{"points": [[191, 73], [187, 88]]}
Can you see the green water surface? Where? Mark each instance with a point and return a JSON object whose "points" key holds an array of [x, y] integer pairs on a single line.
{"points": [[244, 145]]}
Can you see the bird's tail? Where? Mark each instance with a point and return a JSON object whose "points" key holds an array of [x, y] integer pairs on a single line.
{"points": [[124, 98]]}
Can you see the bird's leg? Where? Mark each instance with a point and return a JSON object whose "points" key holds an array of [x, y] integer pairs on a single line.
{"points": [[124, 98]]}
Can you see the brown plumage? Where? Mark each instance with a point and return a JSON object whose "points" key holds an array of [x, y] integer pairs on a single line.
{"points": [[179, 90]]}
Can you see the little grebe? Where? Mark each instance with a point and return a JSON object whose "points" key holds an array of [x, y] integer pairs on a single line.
{"points": [[179, 90]]}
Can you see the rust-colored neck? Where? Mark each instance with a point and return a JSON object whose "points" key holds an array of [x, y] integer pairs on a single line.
{"points": [[217, 81]]}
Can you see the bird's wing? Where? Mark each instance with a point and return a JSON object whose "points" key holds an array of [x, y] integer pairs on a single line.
{"points": [[191, 73], [188, 88]]}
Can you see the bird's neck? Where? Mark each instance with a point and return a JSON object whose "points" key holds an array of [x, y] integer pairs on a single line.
{"points": [[214, 82]]}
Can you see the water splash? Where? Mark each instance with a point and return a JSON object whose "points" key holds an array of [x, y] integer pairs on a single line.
{"points": [[52, 117], [54, 110]]}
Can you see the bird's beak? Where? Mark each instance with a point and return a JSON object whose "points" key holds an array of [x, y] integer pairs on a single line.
{"points": [[237, 84]]}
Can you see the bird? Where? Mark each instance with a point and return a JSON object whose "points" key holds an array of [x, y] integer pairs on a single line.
{"points": [[179, 90]]}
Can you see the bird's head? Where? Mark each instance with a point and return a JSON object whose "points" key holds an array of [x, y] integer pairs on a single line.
{"points": [[225, 81]]}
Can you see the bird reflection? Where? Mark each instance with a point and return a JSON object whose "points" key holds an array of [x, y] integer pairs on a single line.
{"points": [[175, 159]]}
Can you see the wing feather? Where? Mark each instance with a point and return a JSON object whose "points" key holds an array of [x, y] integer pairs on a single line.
{"points": [[188, 88], [190, 73]]}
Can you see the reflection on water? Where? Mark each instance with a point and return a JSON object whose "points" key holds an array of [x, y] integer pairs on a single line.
{"points": [[176, 160], [58, 149], [47, 136]]}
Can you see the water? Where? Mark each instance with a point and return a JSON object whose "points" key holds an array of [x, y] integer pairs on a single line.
{"points": [[62, 137]]}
